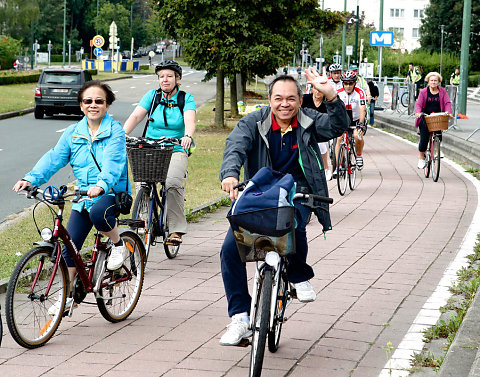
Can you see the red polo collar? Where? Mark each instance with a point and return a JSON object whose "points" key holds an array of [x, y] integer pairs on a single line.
{"points": [[276, 127]]}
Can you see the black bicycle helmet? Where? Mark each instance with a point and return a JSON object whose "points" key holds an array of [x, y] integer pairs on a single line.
{"points": [[348, 76], [169, 64], [334, 67]]}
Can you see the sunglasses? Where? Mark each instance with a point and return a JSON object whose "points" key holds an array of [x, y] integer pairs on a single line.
{"points": [[348, 83], [89, 101]]}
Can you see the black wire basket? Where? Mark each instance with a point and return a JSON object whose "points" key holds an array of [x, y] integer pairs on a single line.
{"points": [[149, 164], [260, 231]]}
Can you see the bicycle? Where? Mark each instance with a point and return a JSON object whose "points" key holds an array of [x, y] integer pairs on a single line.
{"points": [[272, 292], [346, 163], [150, 160], [435, 123], [40, 277], [331, 153]]}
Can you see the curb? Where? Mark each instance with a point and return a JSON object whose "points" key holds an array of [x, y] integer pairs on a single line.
{"points": [[17, 113]]}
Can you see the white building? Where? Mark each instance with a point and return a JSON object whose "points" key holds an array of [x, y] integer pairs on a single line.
{"points": [[401, 16]]}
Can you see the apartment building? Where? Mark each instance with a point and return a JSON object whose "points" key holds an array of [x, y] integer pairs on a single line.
{"points": [[400, 16]]}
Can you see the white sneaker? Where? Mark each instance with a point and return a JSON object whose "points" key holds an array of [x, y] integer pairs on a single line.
{"points": [[53, 310], [305, 292], [328, 174], [441, 154], [359, 161], [116, 258], [236, 331], [421, 164]]}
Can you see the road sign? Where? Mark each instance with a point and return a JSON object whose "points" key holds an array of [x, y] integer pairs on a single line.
{"points": [[98, 41], [381, 38], [98, 51], [113, 29], [349, 50]]}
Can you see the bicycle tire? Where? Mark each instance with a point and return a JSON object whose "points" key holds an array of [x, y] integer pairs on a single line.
{"points": [[352, 170], [171, 250], [342, 170], [280, 306], [333, 160], [404, 99], [260, 324], [436, 159], [27, 316], [141, 210], [118, 296], [428, 162]]}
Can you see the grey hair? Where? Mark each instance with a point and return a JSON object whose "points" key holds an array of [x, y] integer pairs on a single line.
{"points": [[285, 78]]}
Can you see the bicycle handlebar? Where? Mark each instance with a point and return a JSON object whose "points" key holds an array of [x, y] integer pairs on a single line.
{"points": [[55, 195], [144, 141]]}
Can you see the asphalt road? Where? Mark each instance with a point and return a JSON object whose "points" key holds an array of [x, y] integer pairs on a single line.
{"points": [[25, 139]]}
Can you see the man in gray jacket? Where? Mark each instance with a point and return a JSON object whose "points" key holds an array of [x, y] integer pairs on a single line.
{"points": [[284, 137]]}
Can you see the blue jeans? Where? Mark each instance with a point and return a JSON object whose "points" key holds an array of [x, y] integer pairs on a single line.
{"points": [[234, 272], [102, 215], [372, 111]]}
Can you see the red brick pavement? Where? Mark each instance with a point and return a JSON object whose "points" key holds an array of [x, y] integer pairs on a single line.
{"points": [[393, 237]]}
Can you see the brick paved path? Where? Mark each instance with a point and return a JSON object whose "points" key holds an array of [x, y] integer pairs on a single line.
{"points": [[393, 237]]}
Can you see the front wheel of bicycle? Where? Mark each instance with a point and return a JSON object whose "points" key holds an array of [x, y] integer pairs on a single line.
{"points": [[27, 301], [428, 162], [280, 305], [404, 99], [352, 170], [260, 324], [342, 170], [436, 159], [171, 249], [140, 211], [120, 289], [332, 143]]}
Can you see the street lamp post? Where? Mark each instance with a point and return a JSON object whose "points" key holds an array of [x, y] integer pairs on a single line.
{"points": [[344, 36], [441, 49], [356, 37], [64, 28]]}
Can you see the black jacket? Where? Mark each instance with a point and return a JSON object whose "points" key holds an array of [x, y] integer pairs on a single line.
{"points": [[248, 145]]}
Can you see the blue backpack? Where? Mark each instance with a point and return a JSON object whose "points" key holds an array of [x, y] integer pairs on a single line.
{"points": [[266, 205]]}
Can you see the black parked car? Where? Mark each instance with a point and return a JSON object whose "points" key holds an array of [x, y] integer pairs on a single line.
{"points": [[56, 91]]}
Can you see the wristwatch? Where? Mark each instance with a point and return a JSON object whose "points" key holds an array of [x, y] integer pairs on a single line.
{"points": [[187, 135]]}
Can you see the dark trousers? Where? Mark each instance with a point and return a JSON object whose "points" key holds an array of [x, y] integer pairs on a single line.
{"points": [[425, 136], [234, 271], [102, 215], [372, 111]]}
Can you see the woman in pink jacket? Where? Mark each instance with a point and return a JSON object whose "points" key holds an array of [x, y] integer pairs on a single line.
{"points": [[432, 99]]}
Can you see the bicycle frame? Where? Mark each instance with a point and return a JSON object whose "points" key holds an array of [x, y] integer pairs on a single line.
{"points": [[156, 201]]}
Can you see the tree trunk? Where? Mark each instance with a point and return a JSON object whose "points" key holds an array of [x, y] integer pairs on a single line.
{"points": [[240, 87], [233, 96], [219, 107]]}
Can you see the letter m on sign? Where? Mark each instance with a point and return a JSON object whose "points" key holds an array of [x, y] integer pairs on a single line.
{"points": [[381, 38]]}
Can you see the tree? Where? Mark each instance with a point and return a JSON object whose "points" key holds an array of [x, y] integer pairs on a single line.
{"points": [[9, 49], [16, 17], [114, 12], [450, 14], [225, 37]]}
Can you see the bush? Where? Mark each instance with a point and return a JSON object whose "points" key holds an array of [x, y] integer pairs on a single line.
{"points": [[19, 78], [9, 49], [144, 67], [473, 80], [93, 72]]}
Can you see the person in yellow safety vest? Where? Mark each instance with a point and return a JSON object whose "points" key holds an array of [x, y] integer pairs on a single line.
{"points": [[414, 76], [455, 77]]}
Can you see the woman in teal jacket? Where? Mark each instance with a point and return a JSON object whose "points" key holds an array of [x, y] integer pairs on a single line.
{"points": [[100, 135]]}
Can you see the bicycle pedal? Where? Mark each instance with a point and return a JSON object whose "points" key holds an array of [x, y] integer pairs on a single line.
{"points": [[243, 343]]}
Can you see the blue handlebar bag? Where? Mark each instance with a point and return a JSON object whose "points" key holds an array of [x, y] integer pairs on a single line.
{"points": [[266, 205]]}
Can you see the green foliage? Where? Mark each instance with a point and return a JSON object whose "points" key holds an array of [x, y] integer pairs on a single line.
{"points": [[16, 17], [450, 14], [19, 78], [9, 49], [114, 12]]}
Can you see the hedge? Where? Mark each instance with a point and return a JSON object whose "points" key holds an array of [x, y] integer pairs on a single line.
{"points": [[19, 78]]}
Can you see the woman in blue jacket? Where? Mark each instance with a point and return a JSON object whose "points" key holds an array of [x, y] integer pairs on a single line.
{"points": [[100, 135]]}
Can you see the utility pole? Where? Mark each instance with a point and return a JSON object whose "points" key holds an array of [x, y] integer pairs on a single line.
{"points": [[464, 56], [380, 28], [441, 48], [344, 37], [355, 56], [321, 44], [64, 28]]}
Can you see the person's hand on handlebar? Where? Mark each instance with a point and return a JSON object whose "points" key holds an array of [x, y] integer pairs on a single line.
{"points": [[95, 191], [186, 141], [228, 185], [21, 185]]}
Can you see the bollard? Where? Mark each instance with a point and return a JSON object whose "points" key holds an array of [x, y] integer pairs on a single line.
{"points": [[452, 93], [395, 90], [411, 98]]}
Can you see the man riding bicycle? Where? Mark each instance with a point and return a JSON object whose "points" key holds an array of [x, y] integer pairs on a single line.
{"points": [[284, 137], [335, 74], [355, 102]]}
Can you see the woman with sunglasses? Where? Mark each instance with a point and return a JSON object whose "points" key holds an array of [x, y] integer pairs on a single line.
{"points": [[99, 135]]}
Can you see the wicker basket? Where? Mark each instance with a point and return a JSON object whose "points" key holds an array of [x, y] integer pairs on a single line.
{"points": [[437, 122], [150, 164]]}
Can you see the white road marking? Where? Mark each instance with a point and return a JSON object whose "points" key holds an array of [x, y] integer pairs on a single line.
{"points": [[412, 342], [132, 87], [135, 104], [63, 129]]}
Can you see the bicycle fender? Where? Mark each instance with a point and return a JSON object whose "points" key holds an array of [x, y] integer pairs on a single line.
{"points": [[44, 243]]}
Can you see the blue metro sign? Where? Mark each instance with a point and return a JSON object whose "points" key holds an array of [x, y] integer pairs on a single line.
{"points": [[381, 38]]}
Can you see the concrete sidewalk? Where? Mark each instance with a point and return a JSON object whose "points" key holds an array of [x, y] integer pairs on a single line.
{"points": [[392, 240]]}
